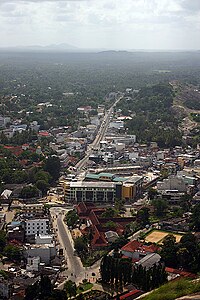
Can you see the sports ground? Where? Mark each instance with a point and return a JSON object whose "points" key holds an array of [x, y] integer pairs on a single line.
{"points": [[156, 236]]}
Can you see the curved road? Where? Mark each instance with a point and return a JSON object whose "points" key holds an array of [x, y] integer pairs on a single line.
{"points": [[73, 262], [75, 270]]}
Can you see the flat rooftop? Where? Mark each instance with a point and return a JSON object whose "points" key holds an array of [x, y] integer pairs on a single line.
{"points": [[91, 184]]}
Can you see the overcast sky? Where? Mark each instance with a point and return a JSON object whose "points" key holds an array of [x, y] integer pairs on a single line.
{"points": [[109, 24]]}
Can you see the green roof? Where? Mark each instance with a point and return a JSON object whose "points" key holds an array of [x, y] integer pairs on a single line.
{"points": [[92, 176], [117, 179], [106, 175], [112, 177]]}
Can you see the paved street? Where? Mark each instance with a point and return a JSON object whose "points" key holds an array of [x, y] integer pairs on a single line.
{"points": [[75, 270], [99, 137]]}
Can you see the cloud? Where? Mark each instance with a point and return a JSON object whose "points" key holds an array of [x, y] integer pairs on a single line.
{"points": [[191, 5], [106, 23]]}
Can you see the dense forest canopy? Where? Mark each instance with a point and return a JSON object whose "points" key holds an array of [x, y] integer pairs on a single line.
{"points": [[70, 80]]}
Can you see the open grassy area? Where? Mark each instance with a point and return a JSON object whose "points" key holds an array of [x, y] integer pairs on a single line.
{"points": [[173, 290], [156, 236], [84, 287]]}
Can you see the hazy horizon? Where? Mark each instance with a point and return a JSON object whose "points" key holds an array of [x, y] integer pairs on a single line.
{"points": [[102, 24]]}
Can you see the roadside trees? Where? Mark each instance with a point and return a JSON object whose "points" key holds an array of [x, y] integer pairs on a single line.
{"points": [[70, 288]]}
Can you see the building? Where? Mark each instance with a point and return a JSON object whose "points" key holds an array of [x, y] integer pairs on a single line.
{"points": [[2, 220], [172, 183], [149, 260], [96, 224], [126, 139], [36, 226], [30, 210], [131, 186], [172, 197], [136, 250], [46, 252], [6, 288], [103, 192], [43, 239], [117, 124], [33, 264]]}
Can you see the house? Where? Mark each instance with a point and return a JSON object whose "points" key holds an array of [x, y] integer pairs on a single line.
{"points": [[149, 260], [137, 250], [95, 223], [46, 252]]}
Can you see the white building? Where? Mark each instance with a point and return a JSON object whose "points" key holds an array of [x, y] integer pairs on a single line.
{"points": [[33, 264], [37, 226], [46, 252], [117, 124], [43, 239], [172, 183], [133, 155], [120, 146]]}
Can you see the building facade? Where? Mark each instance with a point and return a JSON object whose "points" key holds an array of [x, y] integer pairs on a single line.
{"points": [[102, 192], [37, 226]]}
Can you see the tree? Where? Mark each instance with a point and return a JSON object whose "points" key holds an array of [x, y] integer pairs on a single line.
{"points": [[58, 295], [169, 251], [52, 166], [43, 186], [71, 217], [160, 207], [152, 193], [2, 239], [195, 218], [185, 202], [119, 242], [45, 287], [12, 252], [183, 256], [29, 191], [42, 175], [80, 245], [143, 216], [119, 206], [32, 291], [109, 213], [71, 288], [110, 225]]}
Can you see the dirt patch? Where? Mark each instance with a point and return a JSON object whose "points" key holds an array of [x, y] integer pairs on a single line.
{"points": [[156, 236]]}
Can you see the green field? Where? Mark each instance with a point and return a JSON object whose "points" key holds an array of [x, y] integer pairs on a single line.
{"points": [[173, 290]]}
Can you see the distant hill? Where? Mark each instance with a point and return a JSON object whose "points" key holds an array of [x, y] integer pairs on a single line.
{"points": [[49, 48]]}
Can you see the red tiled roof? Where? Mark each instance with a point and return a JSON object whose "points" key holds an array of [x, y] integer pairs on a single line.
{"points": [[134, 260], [99, 239], [135, 245], [43, 133], [180, 272], [131, 293], [151, 248], [131, 246]]}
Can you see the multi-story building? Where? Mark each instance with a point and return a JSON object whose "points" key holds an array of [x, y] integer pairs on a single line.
{"points": [[104, 192], [36, 226], [30, 210], [172, 183], [46, 252]]}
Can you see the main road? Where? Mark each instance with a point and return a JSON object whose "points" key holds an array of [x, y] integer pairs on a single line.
{"points": [[99, 137], [75, 270]]}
